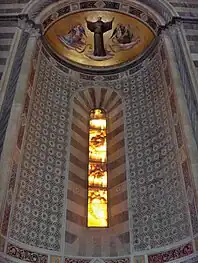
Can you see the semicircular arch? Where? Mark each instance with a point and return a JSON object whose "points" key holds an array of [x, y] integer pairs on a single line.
{"points": [[162, 11]]}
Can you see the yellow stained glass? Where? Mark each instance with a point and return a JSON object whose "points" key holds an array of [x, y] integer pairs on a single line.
{"points": [[97, 208], [101, 124], [97, 170], [97, 114], [97, 145], [97, 175]]}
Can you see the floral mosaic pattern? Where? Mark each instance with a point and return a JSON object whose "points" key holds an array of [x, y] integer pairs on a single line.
{"points": [[25, 255], [174, 254]]}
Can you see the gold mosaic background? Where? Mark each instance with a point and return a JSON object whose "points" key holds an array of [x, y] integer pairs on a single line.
{"points": [[65, 24]]}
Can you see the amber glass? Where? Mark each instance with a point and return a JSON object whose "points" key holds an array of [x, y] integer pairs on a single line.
{"points": [[97, 170]]}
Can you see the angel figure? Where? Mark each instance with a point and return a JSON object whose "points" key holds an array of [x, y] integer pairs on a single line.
{"points": [[75, 38], [122, 34]]}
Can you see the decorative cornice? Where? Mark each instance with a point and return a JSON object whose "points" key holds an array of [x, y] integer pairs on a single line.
{"points": [[160, 7]]}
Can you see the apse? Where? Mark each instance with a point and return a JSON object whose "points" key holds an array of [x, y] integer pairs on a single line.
{"points": [[99, 166], [146, 200]]}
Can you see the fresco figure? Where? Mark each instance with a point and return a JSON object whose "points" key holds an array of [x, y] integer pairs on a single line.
{"points": [[74, 38], [122, 34], [124, 37], [99, 28]]}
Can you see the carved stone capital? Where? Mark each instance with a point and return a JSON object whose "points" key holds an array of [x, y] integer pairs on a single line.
{"points": [[22, 20], [29, 26]]}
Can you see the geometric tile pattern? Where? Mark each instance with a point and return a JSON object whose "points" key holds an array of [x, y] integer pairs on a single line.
{"points": [[158, 210], [163, 162], [39, 201], [182, 7], [182, 150], [157, 197]]}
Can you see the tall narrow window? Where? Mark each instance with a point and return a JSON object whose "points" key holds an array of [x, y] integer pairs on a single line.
{"points": [[97, 170]]}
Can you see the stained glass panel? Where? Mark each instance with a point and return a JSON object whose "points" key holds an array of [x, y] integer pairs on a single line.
{"points": [[97, 170]]}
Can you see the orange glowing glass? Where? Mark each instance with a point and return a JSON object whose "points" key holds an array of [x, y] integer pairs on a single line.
{"points": [[97, 170]]}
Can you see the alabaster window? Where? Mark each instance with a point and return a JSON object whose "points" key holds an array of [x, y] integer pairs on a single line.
{"points": [[97, 170]]}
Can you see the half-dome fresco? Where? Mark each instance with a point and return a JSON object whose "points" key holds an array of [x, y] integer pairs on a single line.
{"points": [[99, 38]]}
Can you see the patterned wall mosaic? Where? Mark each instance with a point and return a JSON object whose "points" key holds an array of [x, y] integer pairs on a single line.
{"points": [[182, 150], [159, 216], [39, 201], [157, 196], [174, 254], [25, 255], [157, 201]]}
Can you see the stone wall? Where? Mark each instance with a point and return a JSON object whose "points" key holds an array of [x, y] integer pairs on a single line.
{"points": [[152, 197], [160, 191]]}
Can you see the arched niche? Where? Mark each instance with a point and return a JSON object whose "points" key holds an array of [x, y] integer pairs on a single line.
{"points": [[156, 70], [117, 231]]}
